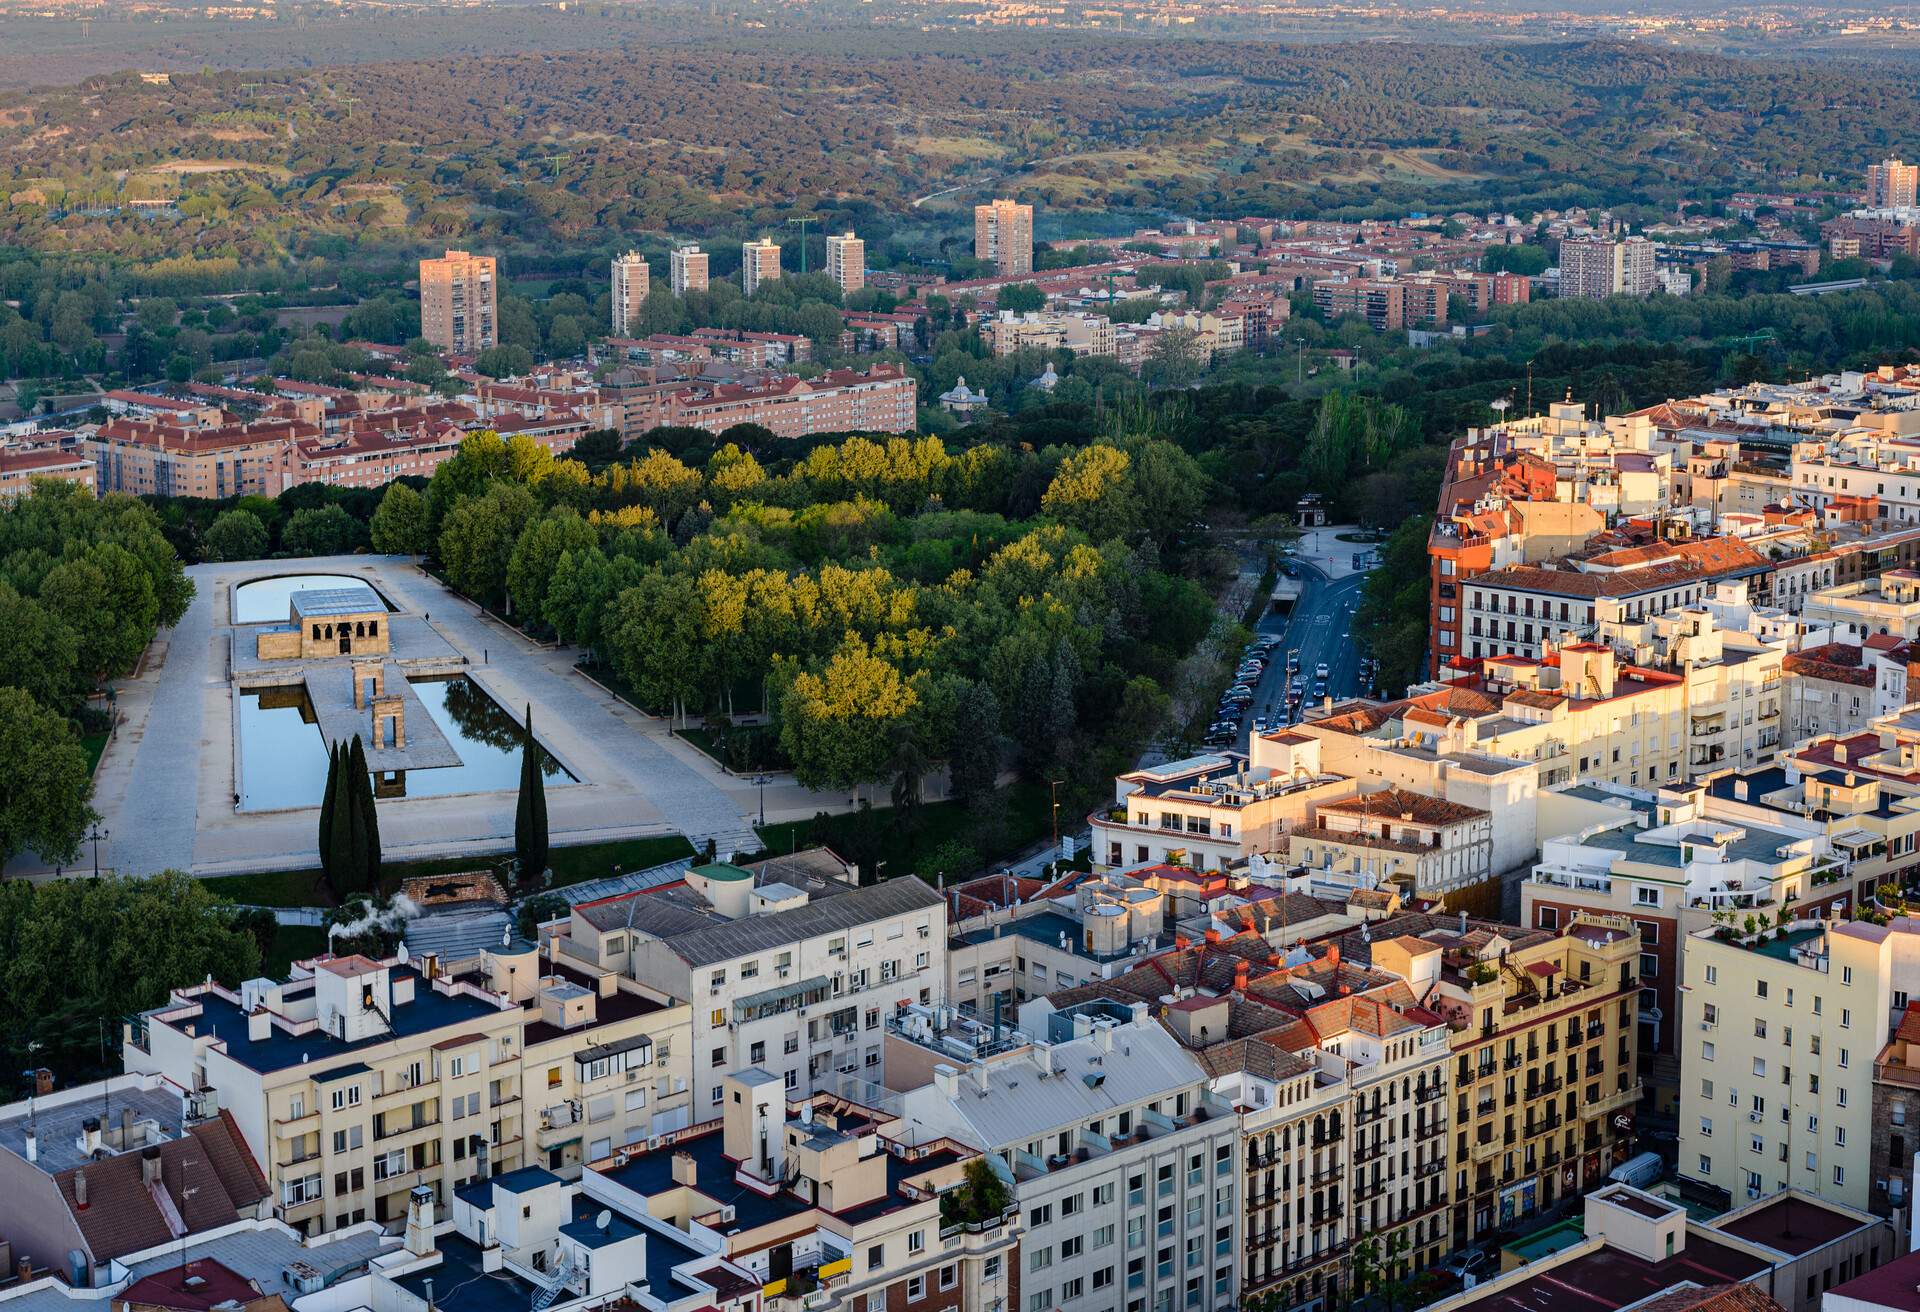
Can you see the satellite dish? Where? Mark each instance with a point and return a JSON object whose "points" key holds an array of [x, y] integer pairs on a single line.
{"points": [[602, 1221], [506, 935], [403, 953]]}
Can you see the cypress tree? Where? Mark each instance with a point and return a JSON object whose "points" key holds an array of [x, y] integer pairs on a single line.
{"points": [[344, 867], [369, 821], [327, 804], [530, 816]]}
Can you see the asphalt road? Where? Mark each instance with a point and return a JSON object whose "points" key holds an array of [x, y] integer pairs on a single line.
{"points": [[1317, 627]]}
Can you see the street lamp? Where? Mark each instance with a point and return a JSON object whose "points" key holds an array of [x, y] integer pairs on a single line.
{"points": [[761, 781], [95, 834], [1054, 785]]}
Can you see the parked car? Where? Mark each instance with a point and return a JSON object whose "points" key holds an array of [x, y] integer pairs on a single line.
{"points": [[1320, 671]]}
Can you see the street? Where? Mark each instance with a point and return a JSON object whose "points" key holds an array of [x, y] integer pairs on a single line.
{"points": [[1318, 627]]}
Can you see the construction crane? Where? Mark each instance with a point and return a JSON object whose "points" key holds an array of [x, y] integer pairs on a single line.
{"points": [[1753, 339]]}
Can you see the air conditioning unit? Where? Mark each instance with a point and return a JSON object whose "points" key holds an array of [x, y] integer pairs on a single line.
{"points": [[1753, 1191], [655, 1143], [633, 1076], [726, 1215]]}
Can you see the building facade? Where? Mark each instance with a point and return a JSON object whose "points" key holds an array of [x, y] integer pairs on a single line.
{"points": [[847, 262], [459, 306], [687, 270], [1003, 236], [759, 263], [632, 280]]}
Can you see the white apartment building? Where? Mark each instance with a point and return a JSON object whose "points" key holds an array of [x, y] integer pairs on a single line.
{"points": [[1216, 810], [687, 270], [1888, 605], [847, 262], [353, 1081], [1780, 1032], [1879, 457], [1126, 1165], [632, 280], [1427, 845], [1049, 330], [791, 980]]}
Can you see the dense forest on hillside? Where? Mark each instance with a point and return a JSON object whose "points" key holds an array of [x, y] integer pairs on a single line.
{"points": [[723, 134]]}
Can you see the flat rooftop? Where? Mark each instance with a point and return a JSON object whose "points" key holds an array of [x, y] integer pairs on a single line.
{"points": [[317, 603], [1790, 1225], [430, 1010], [1895, 1285], [59, 1125], [1608, 1279]]}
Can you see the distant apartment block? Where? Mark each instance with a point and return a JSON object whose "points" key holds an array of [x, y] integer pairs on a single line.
{"points": [[631, 282], [847, 262], [459, 303], [20, 470], [759, 263], [1891, 183], [153, 459], [1082, 334], [687, 270], [1595, 268], [1381, 303], [1003, 236]]}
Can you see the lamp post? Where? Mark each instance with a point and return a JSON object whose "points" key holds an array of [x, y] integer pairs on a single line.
{"points": [[95, 834], [761, 781], [1054, 786]]}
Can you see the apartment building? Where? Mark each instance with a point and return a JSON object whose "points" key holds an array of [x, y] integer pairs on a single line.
{"points": [[1598, 267], [459, 305], [1546, 1074], [632, 280], [1216, 810], [1854, 612], [1125, 1164], [1003, 236], [1512, 611], [759, 263], [847, 262], [786, 972], [20, 470], [1829, 689], [352, 1081], [1044, 330], [1383, 304], [1892, 183], [883, 399], [1783, 1025], [1896, 1112], [1337, 1070], [1877, 456], [1428, 846], [687, 270], [605, 1066], [1631, 1249], [156, 459], [1673, 862], [826, 1202]]}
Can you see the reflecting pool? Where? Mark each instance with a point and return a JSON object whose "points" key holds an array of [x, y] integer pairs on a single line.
{"points": [[264, 601], [283, 760]]}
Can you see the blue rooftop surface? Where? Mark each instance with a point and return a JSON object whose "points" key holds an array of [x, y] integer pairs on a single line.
{"points": [[428, 1011], [650, 1174], [526, 1179], [461, 1285], [589, 1235], [1044, 927], [336, 601]]}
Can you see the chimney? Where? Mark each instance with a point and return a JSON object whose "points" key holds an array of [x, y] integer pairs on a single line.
{"points": [[686, 1171], [981, 1078], [150, 1167], [33, 1144], [90, 1135], [420, 1221], [259, 1025], [126, 1128], [1333, 954], [1840, 753], [80, 1190], [480, 1149]]}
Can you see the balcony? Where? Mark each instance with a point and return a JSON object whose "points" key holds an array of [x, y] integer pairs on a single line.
{"points": [[1366, 1190], [1626, 1097], [1428, 1093], [1364, 1153]]}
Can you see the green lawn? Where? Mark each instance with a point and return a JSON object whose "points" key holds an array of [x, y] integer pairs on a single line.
{"points": [[93, 744], [571, 865], [1028, 821]]}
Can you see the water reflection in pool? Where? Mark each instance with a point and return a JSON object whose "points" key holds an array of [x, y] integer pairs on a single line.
{"points": [[283, 761], [264, 601]]}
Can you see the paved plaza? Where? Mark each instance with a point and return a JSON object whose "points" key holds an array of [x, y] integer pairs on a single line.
{"points": [[166, 788]]}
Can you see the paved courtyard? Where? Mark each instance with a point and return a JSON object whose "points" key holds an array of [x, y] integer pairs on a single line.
{"points": [[166, 786]]}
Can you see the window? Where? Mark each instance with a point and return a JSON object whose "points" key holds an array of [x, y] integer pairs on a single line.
{"points": [[1070, 1247], [1039, 1216], [949, 1275], [876, 1257], [347, 1097], [1713, 974], [1070, 1205], [1072, 1289], [553, 1077], [1103, 1236], [916, 1289], [1041, 1301]]}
